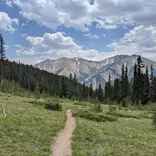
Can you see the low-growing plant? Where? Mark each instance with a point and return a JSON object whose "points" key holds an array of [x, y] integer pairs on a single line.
{"points": [[37, 92], [53, 106], [154, 119], [145, 114], [124, 103], [151, 107], [97, 108], [83, 104], [125, 115], [94, 116], [112, 109]]}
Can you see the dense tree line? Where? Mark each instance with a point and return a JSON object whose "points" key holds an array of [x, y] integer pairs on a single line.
{"points": [[34, 79], [141, 89]]}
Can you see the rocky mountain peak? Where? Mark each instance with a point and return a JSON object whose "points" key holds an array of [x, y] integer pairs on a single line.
{"points": [[95, 72]]}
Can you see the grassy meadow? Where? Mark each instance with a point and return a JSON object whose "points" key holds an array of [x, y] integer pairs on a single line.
{"points": [[28, 128], [131, 135]]}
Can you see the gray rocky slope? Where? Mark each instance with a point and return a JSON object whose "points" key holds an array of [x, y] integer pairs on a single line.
{"points": [[95, 72]]}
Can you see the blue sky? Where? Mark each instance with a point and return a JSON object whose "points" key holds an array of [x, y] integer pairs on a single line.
{"points": [[35, 30]]}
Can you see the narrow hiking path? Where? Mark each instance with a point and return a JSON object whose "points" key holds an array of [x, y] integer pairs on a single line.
{"points": [[62, 145]]}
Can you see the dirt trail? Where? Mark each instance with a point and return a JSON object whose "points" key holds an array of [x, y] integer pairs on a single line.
{"points": [[62, 145]]}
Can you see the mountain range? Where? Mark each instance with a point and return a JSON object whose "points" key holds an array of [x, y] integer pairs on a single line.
{"points": [[95, 72]]}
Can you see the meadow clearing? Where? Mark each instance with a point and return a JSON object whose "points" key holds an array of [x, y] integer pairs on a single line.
{"points": [[29, 128]]}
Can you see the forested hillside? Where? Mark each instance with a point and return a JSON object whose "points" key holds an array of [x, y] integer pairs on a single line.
{"points": [[140, 89], [31, 78], [34, 79]]}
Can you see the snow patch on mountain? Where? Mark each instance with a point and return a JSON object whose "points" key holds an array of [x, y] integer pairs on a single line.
{"points": [[93, 71]]}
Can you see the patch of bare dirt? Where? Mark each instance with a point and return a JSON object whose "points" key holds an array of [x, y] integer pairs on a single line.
{"points": [[62, 145]]}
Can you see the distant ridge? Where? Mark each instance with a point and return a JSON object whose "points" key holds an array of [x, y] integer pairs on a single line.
{"points": [[95, 72]]}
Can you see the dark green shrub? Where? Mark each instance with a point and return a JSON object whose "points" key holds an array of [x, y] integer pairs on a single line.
{"points": [[97, 108], [112, 109], [154, 119], [53, 106], [124, 103], [83, 104], [38, 102], [94, 116], [151, 107], [125, 115]]}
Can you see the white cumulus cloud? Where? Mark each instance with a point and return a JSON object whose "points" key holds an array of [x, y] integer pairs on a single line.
{"points": [[107, 14], [6, 23]]}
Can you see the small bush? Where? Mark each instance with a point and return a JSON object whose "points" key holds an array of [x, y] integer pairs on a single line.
{"points": [[38, 102], [53, 106], [154, 119], [124, 103], [151, 107], [83, 104], [112, 109], [97, 108], [125, 115], [94, 116], [146, 115]]}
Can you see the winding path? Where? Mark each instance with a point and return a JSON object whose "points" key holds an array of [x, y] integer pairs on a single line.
{"points": [[62, 145]]}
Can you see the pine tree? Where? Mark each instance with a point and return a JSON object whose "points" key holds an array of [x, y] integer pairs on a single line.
{"points": [[91, 91], [154, 89], [70, 77], [138, 81], [64, 91], [84, 92], [2, 59], [134, 87], [151, 96], [145, 98], [75, 79], [37, 91], [126, 82], [100, 93], [108, 90], [116, 91], [123, 82]]}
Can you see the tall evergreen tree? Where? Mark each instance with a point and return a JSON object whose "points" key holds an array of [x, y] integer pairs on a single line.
{"points": [[116, 95], [123, 82], [64, 91], [100, 93], [134, 87], [2, 58], [145, 98], [126, 82], [91, 91], [84, 92], [138, 81], [152, 94], [70, 77], [154, 89], [108, 90], [75, 79]]}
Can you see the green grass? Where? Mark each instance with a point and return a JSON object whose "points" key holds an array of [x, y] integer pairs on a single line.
{"points": [[90, 115], [28, 128], [128, 136]]}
